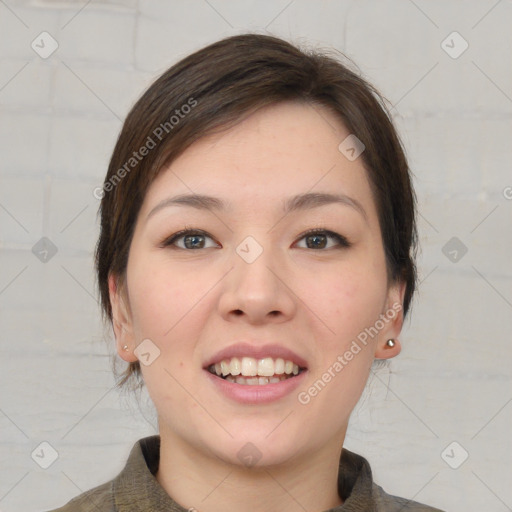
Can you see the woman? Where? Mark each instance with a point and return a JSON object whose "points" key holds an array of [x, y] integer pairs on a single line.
{"points": [[256, 255]]}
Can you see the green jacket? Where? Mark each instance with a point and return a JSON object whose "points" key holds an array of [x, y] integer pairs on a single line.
{"points": [[136, 489]]}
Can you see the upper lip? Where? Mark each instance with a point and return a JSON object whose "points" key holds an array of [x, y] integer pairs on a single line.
{"points": [[257, 352]]}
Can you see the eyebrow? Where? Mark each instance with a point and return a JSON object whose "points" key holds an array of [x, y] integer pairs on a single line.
{"points": [[295, 203]]}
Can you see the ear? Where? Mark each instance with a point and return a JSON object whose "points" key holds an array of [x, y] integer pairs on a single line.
{"points": [[121, 321], [393, 318]]}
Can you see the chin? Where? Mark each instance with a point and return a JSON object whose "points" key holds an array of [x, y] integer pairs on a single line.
{"points": [[255, 448]]}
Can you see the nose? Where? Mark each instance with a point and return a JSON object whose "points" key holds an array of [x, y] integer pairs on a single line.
{"points": [[257, 292]]}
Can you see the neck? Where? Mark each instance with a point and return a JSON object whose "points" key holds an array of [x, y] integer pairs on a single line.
{"points": [[207, 484]]}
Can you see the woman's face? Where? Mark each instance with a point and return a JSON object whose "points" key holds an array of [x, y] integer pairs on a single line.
{"points": [[249, 286]]}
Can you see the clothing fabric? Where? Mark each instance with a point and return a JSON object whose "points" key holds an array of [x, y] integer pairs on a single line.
{"points": [[136, 489]]}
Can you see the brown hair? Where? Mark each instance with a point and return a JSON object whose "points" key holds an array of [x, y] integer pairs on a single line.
{"points": [[215, 88]]}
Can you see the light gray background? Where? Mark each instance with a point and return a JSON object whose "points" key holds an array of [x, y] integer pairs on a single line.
{"points": [[60, 117]]}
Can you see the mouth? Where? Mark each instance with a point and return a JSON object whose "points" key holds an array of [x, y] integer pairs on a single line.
{"points": [[250, 371]]}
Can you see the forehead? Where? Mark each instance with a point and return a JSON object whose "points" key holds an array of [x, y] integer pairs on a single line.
{"points": [[277, 152]]}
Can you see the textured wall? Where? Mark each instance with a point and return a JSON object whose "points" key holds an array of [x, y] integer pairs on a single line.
{"points": [[446, 68]]}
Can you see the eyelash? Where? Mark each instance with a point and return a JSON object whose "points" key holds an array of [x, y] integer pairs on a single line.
{"points": [[342, 241]]}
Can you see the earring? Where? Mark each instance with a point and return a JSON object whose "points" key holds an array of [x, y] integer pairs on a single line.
{"points": [[125, 347], [390, 343]]}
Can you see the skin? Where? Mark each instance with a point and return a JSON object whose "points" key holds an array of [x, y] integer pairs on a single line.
{"points": [[193, 302]]}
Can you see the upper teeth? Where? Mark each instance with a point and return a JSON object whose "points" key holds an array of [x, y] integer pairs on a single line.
{"points": [[249, 367]]}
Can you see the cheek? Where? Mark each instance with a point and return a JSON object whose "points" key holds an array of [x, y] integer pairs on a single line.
{"points": [[159, 296], [347, 302], [348, 298], [346, 305]]}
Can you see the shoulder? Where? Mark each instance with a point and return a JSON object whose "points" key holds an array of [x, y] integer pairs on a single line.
{"points": [[388, 503], [356, 485], [134, 483], [98, 499]]}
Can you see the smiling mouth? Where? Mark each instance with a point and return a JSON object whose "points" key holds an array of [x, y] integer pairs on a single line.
{"points": [[255, 372]]}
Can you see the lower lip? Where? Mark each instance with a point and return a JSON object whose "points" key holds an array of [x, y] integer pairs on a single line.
{"points": [[256, 394]]}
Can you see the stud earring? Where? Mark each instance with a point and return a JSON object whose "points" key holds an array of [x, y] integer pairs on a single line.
{"points": [[125, 348], [390, 343]]}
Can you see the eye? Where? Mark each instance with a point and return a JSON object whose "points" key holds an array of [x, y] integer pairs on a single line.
{"points": [[192, 239], [195, 239], [318, 239]]}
